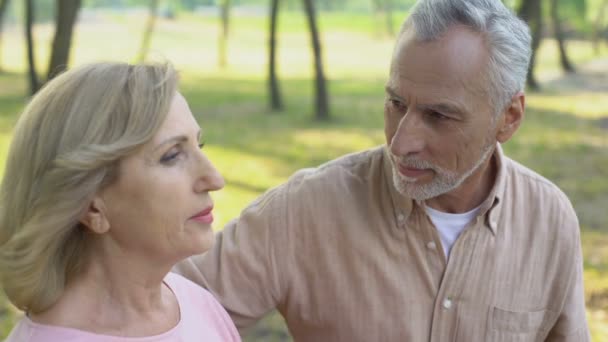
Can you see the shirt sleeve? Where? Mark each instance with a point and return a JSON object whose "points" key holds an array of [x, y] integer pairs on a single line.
{"points": [[241, 269], [572, 324]]}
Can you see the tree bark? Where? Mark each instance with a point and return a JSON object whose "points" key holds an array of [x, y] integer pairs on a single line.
{"points": [[147, 37], [224, 32], [29, 22], [276, 102], [66, 13], [3, 6], [383, 12], [388, 12], [531, 12], [559, 37], [597, 26], [321, 97]]}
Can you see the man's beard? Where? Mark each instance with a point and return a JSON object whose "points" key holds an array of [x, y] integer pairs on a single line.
{"points": [[443, 182]]}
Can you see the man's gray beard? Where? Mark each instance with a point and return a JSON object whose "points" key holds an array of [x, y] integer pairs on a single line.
{"points": [[443, 182]]}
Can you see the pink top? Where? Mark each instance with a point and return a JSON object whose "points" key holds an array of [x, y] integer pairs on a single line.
{"points": [[202, 318]]}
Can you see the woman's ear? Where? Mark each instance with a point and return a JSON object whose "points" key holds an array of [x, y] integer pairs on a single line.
{"points": [[95, 218], [511, 119]]}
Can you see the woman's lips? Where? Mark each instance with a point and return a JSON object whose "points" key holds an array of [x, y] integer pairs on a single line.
{"points": [[205, 216]]}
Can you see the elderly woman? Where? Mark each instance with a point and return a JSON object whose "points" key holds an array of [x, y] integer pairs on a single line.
{"points": [[105, 189]]}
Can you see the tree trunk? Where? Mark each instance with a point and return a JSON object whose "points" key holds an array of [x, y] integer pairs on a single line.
{"points": [[597, 26], [276, 102], [145, 41], [559, 37], [66, 13], [29, 22], [223, 41], [388, 12], [530, 12], [383, 13], [3, 6], [321, 103]]}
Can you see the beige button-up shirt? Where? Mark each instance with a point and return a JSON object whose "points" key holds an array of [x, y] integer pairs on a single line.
{"points": [[344, 257]]}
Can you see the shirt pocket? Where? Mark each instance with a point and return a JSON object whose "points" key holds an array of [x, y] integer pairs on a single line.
{"points": [[518, 326]]}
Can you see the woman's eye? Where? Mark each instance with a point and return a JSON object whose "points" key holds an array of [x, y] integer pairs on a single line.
{"points": [[170, 156]]}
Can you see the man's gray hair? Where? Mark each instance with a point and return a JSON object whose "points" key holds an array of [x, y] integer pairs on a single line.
{"points": [[507, 38]]}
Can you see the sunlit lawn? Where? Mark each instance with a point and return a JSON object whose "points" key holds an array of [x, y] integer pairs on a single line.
{"points": [[562, 137]]}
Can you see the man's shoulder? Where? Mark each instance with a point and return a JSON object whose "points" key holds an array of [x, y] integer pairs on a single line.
{"points": [[324, 181], [354, 166], [536, 190]]}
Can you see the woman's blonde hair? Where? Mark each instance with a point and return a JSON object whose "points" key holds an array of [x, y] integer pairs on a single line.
{"points": [[66, 146]]}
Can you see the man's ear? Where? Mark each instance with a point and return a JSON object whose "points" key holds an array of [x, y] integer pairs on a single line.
{"points": [[511, 118], [95, 218]]}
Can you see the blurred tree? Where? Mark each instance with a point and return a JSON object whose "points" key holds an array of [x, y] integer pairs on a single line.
{"points": [[29, 23], [102, 3], [149, 29], [45, 11], [3, 6], [559, 37], [276, 102], [66, 12], [321, 97], [191, 5], [598, 26], [383, 9], [223, 40], [333, 5], [531, 12], [388, 12]]}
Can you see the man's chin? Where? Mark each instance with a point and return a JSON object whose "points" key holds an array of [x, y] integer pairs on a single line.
{"points": [[419, 192], [410, 190]]}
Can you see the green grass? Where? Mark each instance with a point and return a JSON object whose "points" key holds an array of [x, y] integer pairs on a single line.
{"points": [[561, 137]]}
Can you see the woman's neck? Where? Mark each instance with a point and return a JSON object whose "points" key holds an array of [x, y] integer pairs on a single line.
{"points": [[116, 295]]}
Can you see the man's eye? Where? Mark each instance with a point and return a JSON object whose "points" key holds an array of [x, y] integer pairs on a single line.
{"points": [[437, 116], [397, 105]]}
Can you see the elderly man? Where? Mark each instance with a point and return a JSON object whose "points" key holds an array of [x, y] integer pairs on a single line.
{"points": [[438, 236]]}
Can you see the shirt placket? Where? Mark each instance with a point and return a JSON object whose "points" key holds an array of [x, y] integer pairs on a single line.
{"points": [[451, 285]]}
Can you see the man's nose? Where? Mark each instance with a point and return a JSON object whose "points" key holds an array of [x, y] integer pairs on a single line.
{"points": [[409, 136]]}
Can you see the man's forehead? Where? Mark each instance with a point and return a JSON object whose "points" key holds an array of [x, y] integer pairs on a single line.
{"points": [[457, 61], [458, 50]]}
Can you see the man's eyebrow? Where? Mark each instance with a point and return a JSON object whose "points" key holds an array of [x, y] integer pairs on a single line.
{"points": [[393, 93], [438, 107]]}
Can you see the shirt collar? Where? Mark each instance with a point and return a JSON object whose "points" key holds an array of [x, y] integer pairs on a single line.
{"points": [[490, 208]]}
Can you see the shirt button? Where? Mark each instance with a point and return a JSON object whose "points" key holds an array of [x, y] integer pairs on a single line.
{"points": [[447, 303], [400, 217], [431, 245]]}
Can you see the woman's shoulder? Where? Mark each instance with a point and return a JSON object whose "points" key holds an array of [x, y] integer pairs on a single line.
{"points": [[185, 289], [27, 330], [199, 308]]}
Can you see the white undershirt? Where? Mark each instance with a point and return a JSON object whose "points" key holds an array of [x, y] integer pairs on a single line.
{"points": [[449, 226]]}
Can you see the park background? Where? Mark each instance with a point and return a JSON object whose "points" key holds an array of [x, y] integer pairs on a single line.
{"points": [[326, 96]]}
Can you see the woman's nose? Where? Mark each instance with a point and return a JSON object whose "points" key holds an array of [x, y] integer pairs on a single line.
{"points": [[209, 178]]}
